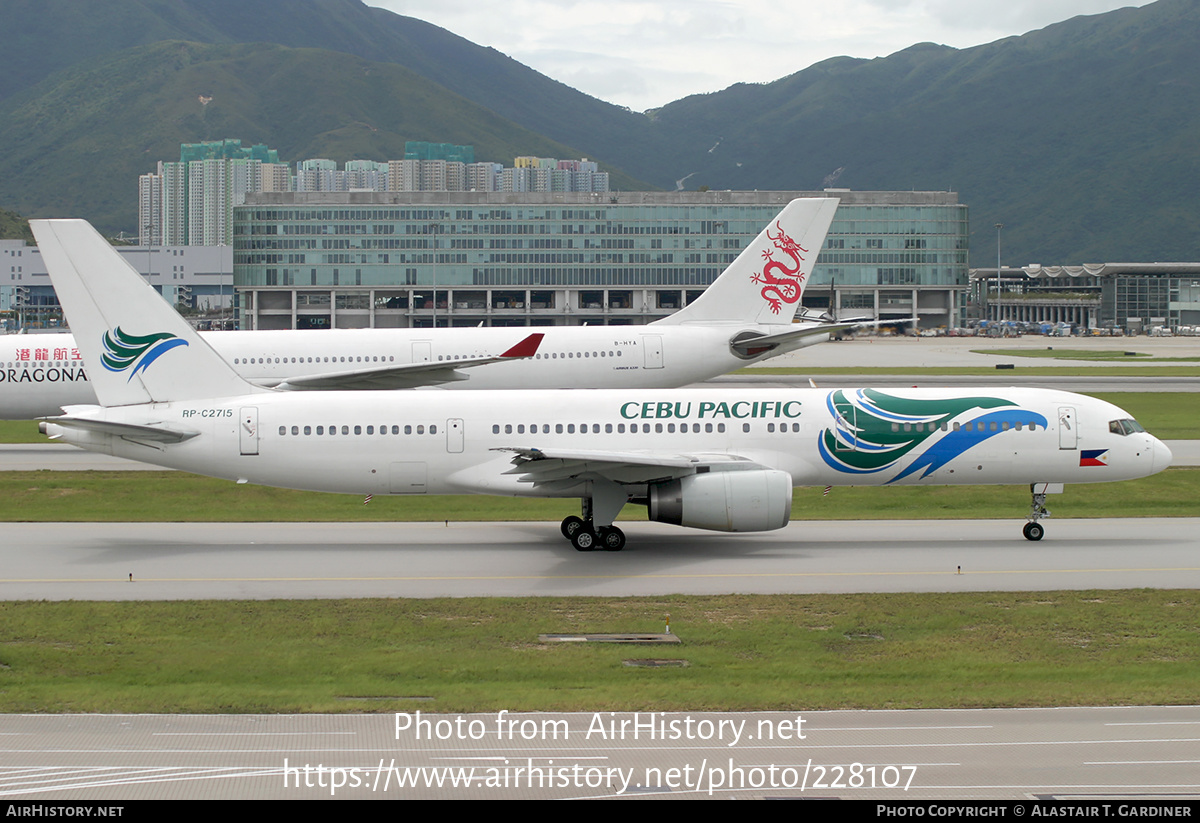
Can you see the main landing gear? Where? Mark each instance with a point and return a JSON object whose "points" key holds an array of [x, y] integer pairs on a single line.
{"points": [[595, 530], [586, 537]]}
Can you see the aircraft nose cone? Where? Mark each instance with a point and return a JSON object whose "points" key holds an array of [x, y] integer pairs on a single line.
{"points": [[1162, 456]]}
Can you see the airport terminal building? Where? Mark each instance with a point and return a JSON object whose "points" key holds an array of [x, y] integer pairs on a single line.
{"points": [[419, 259], [199, 278], [1134, 297]]}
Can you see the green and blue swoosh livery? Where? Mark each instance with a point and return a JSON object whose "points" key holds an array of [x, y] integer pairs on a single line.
{"points": [[123, 351], [875, 432]]}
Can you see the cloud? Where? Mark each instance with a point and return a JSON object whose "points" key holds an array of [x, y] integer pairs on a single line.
{"points": [[643, 53]]}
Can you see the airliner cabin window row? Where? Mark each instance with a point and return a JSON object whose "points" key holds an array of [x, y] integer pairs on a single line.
{"points": [[242, 361], [992, 426], [419, 428], [611, 428]]}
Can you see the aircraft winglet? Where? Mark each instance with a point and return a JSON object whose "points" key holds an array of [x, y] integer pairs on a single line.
{"points": [[526, 348]]}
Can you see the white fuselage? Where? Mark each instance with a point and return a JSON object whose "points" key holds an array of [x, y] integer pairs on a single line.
{"points": [[39, 374], [459, 442]]}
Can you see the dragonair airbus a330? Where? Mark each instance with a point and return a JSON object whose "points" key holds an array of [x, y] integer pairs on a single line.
{"points": [[716, 459], [745, 316]]}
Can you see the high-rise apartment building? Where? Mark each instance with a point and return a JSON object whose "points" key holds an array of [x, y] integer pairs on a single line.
{"points": [[196, 195], [150, 228]]}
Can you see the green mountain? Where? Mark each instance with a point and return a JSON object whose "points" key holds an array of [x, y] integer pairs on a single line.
{"points": [[41, 37], [1081, 138], [75, 143]]}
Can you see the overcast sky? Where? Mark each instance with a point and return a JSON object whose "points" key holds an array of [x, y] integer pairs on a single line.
{"points": [[645, 53]]}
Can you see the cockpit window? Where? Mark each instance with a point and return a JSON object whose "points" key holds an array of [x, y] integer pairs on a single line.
{"points": [[1124, 427]]}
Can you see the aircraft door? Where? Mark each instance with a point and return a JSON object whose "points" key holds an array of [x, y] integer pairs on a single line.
{"points": [[454, 435], [1068, 431], [248, 430], [847, 430], [422, 352], [653, 345]]}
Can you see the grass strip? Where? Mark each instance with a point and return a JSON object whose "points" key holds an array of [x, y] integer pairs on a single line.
{"points": [[47, 496], [1053, 353], [884, 651]]}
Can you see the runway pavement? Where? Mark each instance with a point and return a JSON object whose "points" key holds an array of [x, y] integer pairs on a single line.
{"points": [[171, 561], [1140, 761]]}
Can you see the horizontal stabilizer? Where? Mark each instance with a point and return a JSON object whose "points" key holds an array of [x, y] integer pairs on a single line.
{"points": [[750, 344], [159, 433]]}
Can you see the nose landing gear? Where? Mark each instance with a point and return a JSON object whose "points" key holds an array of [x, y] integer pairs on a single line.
{"points": [[1037, 509]]}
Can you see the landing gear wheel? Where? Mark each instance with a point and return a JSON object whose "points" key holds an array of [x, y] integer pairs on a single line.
{"points": [[570, 525], [1033, 531], [584, 539], [612, 539]]}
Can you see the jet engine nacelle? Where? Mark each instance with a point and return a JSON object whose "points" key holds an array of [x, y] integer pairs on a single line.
{"points": [[730, 501]]}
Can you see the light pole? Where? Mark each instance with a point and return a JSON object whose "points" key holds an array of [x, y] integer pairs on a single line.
{"points": [[999, 226], [221, 289]]}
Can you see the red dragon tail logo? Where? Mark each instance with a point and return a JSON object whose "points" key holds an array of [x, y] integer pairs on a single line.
{"points": [[785, 289]]}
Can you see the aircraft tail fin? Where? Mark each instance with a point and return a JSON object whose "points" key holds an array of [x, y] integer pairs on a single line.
{"points": [[766, 281], [136, 347]]}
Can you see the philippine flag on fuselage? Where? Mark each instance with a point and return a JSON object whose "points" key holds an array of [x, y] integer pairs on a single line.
{"points": [[1092, 457]]}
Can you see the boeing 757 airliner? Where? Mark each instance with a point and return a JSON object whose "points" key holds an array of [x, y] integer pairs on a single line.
{"points": [[717, 459]]}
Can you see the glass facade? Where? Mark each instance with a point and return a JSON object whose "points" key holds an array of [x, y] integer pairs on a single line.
{"points": [[1131, 296], [472, 244]]}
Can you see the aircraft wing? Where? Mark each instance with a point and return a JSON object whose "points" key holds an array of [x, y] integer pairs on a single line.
{"points": [[550, 466], [160, 433], [407, 375]]}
